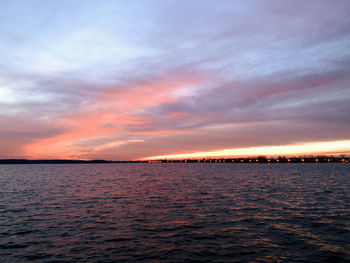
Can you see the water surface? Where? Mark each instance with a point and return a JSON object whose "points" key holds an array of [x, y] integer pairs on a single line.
{"points": [[175, 213]]}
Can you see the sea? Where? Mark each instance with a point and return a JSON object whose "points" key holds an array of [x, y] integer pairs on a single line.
{"points": [[175, 212]]}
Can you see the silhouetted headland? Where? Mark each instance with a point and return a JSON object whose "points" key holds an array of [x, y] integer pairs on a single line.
{"points": [[28, 161], [259, 159]]}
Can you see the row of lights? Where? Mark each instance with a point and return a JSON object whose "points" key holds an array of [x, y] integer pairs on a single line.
{"points": [[242, 161]]}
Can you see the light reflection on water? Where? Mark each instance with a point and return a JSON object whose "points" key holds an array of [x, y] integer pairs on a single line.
{"points": [[175, 212]]}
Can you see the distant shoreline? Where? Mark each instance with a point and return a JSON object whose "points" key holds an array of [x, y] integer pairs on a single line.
{"points": [[260, 159]]}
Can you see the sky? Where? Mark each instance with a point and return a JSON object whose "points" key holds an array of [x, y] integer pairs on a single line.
{"points": [[132, 79]]}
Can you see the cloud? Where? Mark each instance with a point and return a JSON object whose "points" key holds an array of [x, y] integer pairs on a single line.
{"points": [[18, 131], [109, 114], [125, 80]]}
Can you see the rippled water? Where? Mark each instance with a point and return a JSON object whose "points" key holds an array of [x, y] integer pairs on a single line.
{"points": [[175, 212]]}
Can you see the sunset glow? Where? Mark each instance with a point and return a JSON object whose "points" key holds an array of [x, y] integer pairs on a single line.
{"points": [[174, 130], [131, 80], [314, 148]]}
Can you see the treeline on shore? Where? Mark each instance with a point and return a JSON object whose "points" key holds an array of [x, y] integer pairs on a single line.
{"points": [[259, 159]]}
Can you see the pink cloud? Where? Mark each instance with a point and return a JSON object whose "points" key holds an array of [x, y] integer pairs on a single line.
{"points": [[109, 115]]}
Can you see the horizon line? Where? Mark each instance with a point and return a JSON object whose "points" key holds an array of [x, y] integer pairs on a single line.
{"points": [[254, 159]]}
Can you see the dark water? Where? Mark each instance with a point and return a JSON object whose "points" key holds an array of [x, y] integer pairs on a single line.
{"points": [[175, 213]]}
